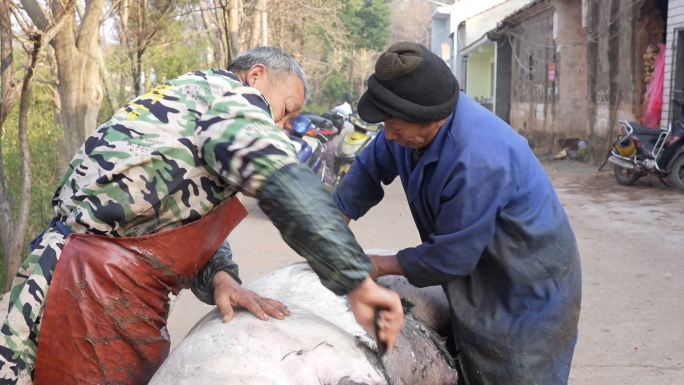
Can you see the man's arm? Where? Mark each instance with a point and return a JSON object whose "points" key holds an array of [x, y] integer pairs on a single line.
{"points": [[294, 199], [361, 188], [240, 142], [221, 261], [465, 225]]}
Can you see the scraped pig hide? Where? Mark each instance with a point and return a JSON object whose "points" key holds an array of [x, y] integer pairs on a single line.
{"points": [[319, 343]]}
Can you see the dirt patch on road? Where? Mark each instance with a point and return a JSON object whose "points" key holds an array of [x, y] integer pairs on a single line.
{"points": [[578, 178]]}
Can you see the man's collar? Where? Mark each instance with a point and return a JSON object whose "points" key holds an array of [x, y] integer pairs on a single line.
{"points": [[432, 152]]}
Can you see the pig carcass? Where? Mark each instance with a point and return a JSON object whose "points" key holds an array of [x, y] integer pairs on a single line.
{"points": [[319, 343]]}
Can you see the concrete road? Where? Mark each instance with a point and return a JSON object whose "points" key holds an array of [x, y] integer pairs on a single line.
{"points": [[632, 245]]}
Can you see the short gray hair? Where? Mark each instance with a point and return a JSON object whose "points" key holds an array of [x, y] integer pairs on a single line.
{"points": [[272, 58]]}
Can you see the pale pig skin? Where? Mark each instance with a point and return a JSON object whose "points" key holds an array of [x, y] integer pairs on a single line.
{"points": [[319, 343]]}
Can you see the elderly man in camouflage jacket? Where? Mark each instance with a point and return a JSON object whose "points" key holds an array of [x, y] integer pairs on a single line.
{"points": [[142, 210]]}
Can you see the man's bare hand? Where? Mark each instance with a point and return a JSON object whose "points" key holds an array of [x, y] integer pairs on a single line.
{"points": [[229, 294], [385, 265], [368, 297]]}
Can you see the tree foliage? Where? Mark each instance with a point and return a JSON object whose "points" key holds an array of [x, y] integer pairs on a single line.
{"points": [[368, 21]]}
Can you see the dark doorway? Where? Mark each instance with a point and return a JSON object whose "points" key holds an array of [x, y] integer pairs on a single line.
{"points": [[662, 6], [677, 104]]}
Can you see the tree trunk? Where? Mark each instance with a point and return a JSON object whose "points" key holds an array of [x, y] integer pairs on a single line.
{"points": [[211, 31], [255, 31], [264, 23], [221, 13], [233, 24], [78, 73], [137, 63], [107, 82]]}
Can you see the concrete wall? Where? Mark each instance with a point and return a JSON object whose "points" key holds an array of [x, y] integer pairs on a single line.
{"points": [[480, 80], [572, 69], [619, 31], [477, 17], [487, 17], [533, 92], [610, 65], [439, 34], [479, 76], [675, 21], [576, 67]]}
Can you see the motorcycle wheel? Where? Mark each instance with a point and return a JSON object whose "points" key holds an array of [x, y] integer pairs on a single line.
{"points": [[677, 174], [625, 176]]}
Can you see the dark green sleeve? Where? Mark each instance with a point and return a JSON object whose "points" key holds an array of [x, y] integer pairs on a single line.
{"points": [[221, 261], [308, 220]]}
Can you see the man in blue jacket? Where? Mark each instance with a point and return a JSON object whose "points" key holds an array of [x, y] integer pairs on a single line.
{"points": [[494, 234]]}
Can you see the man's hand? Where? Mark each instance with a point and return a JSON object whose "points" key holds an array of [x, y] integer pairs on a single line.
{"points": [[368, 297], [228, 294], [385, 265]]}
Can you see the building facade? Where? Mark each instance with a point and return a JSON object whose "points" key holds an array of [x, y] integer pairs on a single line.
{"points": [[459, 36], [576, 67]]}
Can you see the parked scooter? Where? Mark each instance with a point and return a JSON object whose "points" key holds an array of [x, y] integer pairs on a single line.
{"points": [[309, 148], [351, 144], [641, 150]]}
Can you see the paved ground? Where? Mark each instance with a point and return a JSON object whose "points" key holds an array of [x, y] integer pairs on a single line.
{"points": [[632, 244]]}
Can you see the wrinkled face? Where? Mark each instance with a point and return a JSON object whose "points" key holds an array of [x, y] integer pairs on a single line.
{"points": [[283, 91], [412, 135]]}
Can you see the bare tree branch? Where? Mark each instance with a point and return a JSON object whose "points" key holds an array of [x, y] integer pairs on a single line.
{"points": [[50, 32], [155, 29], [36, 13], [24, 23]]}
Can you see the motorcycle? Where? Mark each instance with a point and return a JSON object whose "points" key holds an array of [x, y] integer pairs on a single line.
{"points": [[309, 148], [641, 150], [351, 144], [325, 129]]}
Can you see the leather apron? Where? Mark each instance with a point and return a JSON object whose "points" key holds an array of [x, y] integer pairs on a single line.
{"points": [[107, 306]]}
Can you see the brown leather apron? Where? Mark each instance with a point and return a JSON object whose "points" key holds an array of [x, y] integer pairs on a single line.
{"points": [[106, 309]]}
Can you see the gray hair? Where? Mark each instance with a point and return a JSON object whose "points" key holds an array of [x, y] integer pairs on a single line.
{"points": [[272, 58]]}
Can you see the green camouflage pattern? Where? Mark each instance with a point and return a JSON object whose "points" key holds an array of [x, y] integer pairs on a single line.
{"points": [[171, 155], [19, 333]]}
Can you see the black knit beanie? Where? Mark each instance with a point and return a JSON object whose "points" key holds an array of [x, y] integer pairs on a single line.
{"points": [[410, 83]]}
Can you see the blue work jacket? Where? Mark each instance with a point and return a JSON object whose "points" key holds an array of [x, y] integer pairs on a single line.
{"points": [[494, 235]]}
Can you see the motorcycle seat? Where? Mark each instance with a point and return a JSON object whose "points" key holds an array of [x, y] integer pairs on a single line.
{"points": [[320, 121], [645, 131]]}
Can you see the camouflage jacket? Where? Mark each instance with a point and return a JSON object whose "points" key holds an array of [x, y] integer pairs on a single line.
{"points": [[171, 155]]}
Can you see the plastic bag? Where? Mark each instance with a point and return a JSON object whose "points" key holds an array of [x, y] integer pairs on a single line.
{"points": [[653, 105]]}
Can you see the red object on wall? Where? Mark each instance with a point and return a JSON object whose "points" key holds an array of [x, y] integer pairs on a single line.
{"points": [[653, 105]]}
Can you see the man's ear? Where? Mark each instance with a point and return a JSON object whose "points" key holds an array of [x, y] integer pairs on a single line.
{"points": [[255, 73]]}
